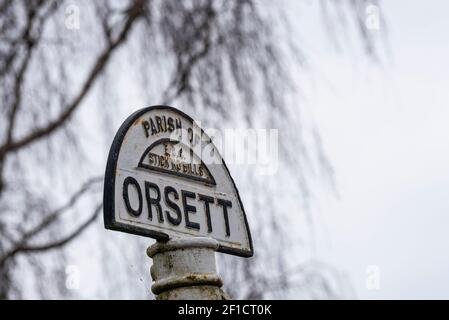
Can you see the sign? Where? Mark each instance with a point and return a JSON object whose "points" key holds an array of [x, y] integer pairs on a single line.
{"points": [[165, 179]]}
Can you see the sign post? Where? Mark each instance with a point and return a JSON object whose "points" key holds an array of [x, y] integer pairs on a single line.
{"points": [[185, 269], [165, 179]]}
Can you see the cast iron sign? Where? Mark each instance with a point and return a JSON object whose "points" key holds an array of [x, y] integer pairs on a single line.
{"points": [[165, 179]]}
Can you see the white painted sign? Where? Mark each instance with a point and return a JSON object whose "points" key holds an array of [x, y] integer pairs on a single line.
{"points": [[165, 179]]}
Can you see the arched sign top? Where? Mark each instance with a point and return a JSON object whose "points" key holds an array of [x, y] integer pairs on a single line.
{"points": [[165, 179], [173, 157]]}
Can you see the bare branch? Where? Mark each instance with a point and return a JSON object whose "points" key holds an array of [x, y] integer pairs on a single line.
{"points": [[67, 239], [30, 44], [49, 219], [133, 13], [188, 57], [56, 213], [45, 247]]}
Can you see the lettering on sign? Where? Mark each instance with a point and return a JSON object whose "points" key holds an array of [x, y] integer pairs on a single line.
{"points": [[165, 180]]}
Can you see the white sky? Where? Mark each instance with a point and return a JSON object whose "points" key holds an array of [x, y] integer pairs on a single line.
{"points": [[386, 131]]}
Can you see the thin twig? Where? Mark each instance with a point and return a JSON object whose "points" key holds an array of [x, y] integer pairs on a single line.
{"points": [[45, 247]]}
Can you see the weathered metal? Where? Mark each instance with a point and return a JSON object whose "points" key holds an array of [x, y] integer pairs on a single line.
{"points": [[166, 179], [186, 269]]}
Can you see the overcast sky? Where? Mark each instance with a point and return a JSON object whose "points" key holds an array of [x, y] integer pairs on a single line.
{"points": [[386, 131]]}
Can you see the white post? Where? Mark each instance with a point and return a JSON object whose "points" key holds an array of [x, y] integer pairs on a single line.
{"points": [[185, 269]]}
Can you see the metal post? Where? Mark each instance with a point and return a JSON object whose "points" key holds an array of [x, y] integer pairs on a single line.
{"points": [[185, 269]]}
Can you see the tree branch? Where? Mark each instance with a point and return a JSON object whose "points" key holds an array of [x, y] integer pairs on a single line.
{"points": [[30, 44], [49, 219], [190, 56], [67, 239], [55, 214], [22, 248], [133, 13]]}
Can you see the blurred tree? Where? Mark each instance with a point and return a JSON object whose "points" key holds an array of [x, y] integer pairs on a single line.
{"points": [[56, 56]]}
